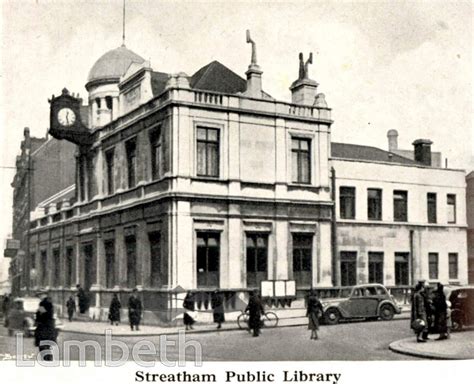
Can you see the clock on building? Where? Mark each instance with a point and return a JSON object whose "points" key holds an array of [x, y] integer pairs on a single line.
{"points": [[66, 117]]}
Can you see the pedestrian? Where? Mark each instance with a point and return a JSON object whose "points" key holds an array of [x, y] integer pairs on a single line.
{"points": [[82, 298], [217, 305], [256, 311], [441, 313], [114, 310], [6, 304], [429, 308], [71, 307], [45, 332], [313, 311], [418, 314], [188, 305], [134, 311]]}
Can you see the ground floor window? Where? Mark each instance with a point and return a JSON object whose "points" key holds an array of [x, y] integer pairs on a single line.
{"points": [[302, 254], [207, 259], [401, 268], [348, 268], [453, 265], [376, 267], [433, 265], [109, 246], [89, 266], [257, 259], [131, 251], [44, 268], [69, 272], [158, 266], [56, 268]]}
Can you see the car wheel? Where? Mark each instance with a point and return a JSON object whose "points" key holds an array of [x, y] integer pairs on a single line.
{"points": [[386, 312], [332, 316], [456, 321]]}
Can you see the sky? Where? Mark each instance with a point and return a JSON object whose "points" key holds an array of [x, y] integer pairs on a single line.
{"points": [[382, 65]]}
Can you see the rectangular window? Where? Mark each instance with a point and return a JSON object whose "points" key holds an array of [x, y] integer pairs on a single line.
{"points": [[374, 204], [433, 265], [301, 160], [451, 199], [208, 152], [431, 207], [109, 246], [302, 254], [401, 268], [348, 268], [82, 178], [347, 202], [376, 267], [257, 256], [207, 263], [131, 249], [44, 268], [156, 154], [109, 163], [32, 260], [158, 270], [90, 265], [69, 277], [131, 152], [90, 178], [56, 268], [400, 205], [453, 265]]}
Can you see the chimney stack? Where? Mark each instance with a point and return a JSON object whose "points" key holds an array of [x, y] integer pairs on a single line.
{"points": [[304, 89], [392, 140], [423, 151], [254, 73]]}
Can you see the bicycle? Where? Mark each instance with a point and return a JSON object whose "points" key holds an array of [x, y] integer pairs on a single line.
{"points": [[270, 320]]}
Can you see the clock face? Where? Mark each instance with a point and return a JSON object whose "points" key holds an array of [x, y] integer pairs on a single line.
{"points": [[66, 117]]}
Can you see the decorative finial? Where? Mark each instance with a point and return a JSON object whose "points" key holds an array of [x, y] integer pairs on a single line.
{"points": [[303, 71], [254, 49], [65, 91]]}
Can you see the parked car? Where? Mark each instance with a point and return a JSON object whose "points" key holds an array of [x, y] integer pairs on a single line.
{"points": [[21, 316], [365, 301], [462, 307]]}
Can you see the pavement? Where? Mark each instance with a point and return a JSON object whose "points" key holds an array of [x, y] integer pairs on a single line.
{"points": [[460, 346]]}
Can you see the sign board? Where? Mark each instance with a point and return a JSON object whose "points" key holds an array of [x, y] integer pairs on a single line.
{"points": [[278, 288], [13, 244]]}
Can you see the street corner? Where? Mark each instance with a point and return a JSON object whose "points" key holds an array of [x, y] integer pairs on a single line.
{"points": [[460, 346]]}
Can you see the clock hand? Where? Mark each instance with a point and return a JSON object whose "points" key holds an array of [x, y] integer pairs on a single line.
{"points": [[67, 117]]}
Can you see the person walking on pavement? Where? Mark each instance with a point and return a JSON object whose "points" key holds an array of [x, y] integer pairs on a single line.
{"points": [[441, 313], [313, 311], [217, 305], [45, 331], [71, 307], [82, 298], [188, 305], [255, 310], [418, 314], [134, 311], [114, 310]]}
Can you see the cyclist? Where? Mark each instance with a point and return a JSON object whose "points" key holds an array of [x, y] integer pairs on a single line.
{"points": [[255, 310]]}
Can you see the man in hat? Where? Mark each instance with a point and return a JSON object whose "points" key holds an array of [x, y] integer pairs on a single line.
{"points": [[134, 310], [45, 331], [217, 305], [82, 298]]}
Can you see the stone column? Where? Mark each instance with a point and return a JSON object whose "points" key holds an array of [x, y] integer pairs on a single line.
{"points": [[120, 258], [281, 250], [115, 108], [143, 254]]}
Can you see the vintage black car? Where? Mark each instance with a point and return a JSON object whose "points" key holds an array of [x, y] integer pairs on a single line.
{"points": [[462, 307], [365, 301]]}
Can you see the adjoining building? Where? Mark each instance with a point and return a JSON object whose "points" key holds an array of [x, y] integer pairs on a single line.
{"points": [[43, 168], [470, 224], [206, 181]]}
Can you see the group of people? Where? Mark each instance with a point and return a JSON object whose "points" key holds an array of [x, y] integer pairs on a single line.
{"points": [[430, 312]]}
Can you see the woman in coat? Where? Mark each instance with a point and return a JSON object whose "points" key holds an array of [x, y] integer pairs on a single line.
{"points": [[418, 314], [188, 305], [45, 332], [114, 310], [134, 311], [313, 311], [256, 311], [217, 305]]}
